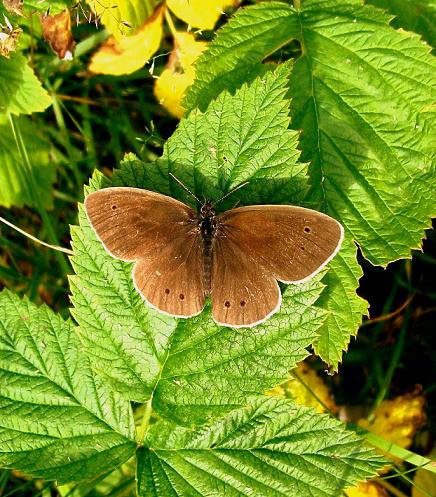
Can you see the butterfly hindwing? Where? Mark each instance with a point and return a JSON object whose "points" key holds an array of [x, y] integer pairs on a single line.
{"points": [[243, 294], [257, 245]]}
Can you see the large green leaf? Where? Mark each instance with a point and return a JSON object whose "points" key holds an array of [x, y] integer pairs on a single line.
{"points": [[414, 15], [20, 90], [270, 448], [58, 420], [249, 36], [194, 368], [362, 94], [14, 180]]}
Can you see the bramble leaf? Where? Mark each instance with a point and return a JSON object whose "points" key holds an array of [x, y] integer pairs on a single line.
{"points": [[198, 13], [129, 53], [194, 368], [122, 17], [414, 15], [362, 94], [269, 449], [20, 90], [58, 419]]}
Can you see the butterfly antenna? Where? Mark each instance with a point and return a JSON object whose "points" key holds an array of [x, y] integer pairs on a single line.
{"points": [[233, 190], [185, 187]]}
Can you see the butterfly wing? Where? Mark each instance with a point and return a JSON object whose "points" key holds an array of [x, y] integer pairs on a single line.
{"points": [[159, 233], [261, 244], [243, 294]]}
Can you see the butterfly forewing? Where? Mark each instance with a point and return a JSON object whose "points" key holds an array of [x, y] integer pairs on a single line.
{"points": [[133, 223], [161, 235], [289, 243]]}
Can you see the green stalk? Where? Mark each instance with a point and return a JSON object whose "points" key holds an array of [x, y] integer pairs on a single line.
{"points": [[33, 192], [145, 422], [398, 350]]}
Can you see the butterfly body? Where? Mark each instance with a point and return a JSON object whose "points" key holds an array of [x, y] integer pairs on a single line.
{"points": [[207, 224], [236, 257]]}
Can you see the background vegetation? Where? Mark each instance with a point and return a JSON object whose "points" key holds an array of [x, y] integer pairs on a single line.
{"points": [[69, 106]]}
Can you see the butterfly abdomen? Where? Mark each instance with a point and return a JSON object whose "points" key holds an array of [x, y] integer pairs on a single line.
{"points": [[208, 226]]}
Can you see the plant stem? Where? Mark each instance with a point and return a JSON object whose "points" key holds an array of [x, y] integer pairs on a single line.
{"points": [[145, 423], [398, 350], [34, 195]]}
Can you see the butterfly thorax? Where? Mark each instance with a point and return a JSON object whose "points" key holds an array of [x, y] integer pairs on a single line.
{"points": [[207, 221]]}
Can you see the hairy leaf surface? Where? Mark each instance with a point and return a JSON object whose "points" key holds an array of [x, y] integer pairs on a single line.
{"points": [[270, 448], [57, 419], [363, 95], [193, 368]]}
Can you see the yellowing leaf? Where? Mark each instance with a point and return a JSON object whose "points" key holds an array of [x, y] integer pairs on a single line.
{"points": [[188, 50], [57, 31], [424, 480], [201, 14], [300, 389], [122, 17], [398, 419], [171, 85], [8, 42], [368, 489], [14, 6], [129, 54]]}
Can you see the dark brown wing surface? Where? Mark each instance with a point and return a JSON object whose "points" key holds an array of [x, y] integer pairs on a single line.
{"points": [[256, 245], [161, 234]]}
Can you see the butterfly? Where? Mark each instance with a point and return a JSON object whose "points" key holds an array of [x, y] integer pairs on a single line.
{"points": [[236, 257]]}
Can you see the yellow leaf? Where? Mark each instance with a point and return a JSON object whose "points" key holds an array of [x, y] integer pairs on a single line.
{"points": [[398, 420], [201, 14], [425, 481], [56, 30], [8, 42], [129, 54], [367, 489], [321, 397], [122, 17], [171, 85], [170, 88]]}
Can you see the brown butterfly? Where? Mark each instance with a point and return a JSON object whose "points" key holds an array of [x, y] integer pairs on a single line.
{"points": [[236, 257]]}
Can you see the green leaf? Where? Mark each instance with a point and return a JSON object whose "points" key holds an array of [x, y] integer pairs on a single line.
{"points": [[368, 137], [194, 368], [414, 15], [52, 6], [344, 306], [13, 176], [241, 138], [20, 90], [249, 36], [270, 448], [368, 133], [362, 96], [58, 420]]}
